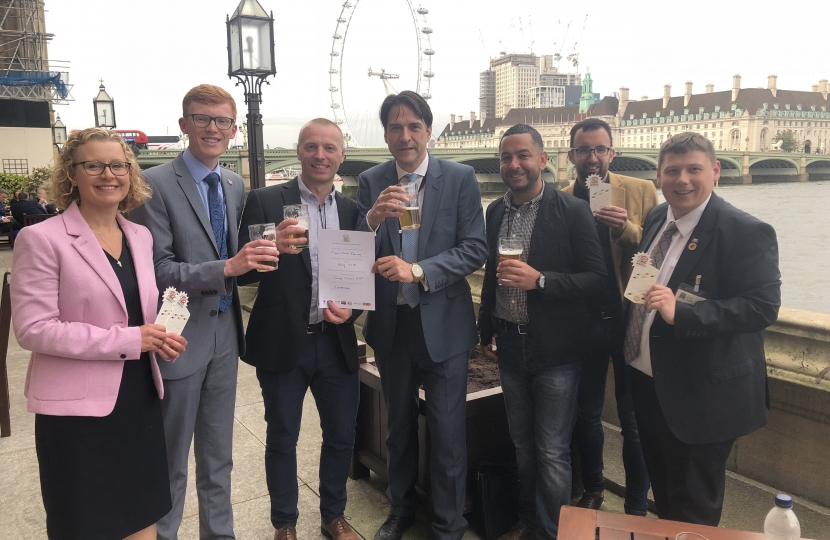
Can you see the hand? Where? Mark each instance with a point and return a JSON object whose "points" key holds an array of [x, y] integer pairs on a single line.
{"points": [[394, 269], [286, 245], [250, 258], [490, 351], [173, 347], [153, 337], [662, 299], [387, 205], [518, 274], [614, 217], [336, 315]]}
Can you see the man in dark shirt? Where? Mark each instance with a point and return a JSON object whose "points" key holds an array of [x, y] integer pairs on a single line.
{"points": [[26, 206]]}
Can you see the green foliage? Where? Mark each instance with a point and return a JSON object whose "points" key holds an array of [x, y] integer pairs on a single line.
{"points": [[14, 182], [789, 139], [38, 177]]}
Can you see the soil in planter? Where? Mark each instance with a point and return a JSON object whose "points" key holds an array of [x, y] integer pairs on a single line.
{"points": [[484, 373]]}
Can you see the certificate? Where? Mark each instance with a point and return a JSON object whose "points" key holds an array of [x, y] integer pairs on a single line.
{"points": [[345, 261]]}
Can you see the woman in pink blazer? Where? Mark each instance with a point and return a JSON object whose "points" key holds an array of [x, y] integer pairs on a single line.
{"points": [[84, 299]]}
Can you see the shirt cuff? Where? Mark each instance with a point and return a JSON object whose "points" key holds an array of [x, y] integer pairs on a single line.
{"points": [[424, 282]]}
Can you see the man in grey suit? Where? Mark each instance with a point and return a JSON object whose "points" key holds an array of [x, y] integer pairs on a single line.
{"points": [[193, 216], [424, 325]]}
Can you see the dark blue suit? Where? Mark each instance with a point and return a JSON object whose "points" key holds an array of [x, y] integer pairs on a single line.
{"points": [[430, 344]]}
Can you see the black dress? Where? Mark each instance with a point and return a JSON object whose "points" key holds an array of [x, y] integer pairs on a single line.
{"points": [[106, 478]]}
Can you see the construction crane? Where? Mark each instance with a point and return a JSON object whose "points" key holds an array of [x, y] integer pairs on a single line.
{"points": [[385, 78]]}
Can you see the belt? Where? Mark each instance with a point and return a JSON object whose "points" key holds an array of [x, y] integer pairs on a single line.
{"points": [[507, 326], [318, 328]]}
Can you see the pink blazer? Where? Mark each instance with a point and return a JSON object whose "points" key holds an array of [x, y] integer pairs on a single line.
{"points": [[69, 310]]}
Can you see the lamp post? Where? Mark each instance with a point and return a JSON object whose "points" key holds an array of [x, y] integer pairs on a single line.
{"points": [[59, 133], [104, 108], [251, 61]]}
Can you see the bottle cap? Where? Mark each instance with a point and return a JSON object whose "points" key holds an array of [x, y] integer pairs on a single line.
{"points": [[783, 501]]}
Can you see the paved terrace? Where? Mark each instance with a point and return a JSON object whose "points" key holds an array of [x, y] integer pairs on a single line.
{"points": [[22, 515]]}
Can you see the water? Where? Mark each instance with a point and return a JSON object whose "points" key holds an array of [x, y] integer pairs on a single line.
{"points": [[799, 213]]}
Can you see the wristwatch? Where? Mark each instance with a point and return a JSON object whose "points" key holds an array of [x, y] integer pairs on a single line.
{"points": [[540, 283], [417, 272]]}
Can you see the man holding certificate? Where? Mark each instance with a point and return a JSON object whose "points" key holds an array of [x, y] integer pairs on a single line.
{"points": [[295, 345], [427, 241]]}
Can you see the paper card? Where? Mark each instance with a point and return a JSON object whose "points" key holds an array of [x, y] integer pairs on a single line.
{"points": [[346, 259], [599, 196], [180, 315], [643, 277], [168, 303]]}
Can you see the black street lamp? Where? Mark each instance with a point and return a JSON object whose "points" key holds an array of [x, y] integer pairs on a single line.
{"points": [[59, 133], [251, 61], [104, 107]]}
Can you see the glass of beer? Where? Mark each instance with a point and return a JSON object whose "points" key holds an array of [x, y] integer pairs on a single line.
{"points": [[411, 213], [264, 231], [509, 249], [300, 213]]}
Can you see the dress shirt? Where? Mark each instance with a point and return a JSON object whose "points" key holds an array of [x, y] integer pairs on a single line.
{"points": [[685, 227], [199, 171], [421, 171], [319, 217], [517, 223]]}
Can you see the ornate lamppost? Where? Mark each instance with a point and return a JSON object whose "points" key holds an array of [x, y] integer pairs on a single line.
{"points": [[59, 133], [104, 107], [251, 61]]}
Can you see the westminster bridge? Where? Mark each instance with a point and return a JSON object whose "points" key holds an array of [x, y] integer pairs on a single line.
{"points": [[736, 167]]}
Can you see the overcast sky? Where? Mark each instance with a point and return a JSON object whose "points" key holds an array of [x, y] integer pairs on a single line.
{"points": [[150, 52]]}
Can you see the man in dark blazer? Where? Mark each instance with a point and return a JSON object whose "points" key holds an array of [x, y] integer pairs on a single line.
{"points": [[535, 309], [424, 324], [296, 346], [193, 216], [697, 344], [26, 206]]}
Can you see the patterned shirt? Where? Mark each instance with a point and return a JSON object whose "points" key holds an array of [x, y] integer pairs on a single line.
{"points": [[517, 223]]}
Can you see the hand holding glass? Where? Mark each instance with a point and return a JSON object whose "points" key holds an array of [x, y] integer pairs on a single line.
{"points": [[411, 214], [509, 250], [264, 231], [300, 213]]}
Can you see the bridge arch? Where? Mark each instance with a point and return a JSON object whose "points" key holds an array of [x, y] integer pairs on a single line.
{"points": [[819, 169], [776, 162], [638, 166], [773, 169]]}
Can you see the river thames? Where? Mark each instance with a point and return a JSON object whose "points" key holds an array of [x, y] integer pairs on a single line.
{"points": [[799, 213]]}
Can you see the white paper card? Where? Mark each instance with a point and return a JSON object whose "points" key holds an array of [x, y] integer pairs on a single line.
{"points": [[643, 277], [345, 261], [168, 303], [600, 195], [180, 315]]}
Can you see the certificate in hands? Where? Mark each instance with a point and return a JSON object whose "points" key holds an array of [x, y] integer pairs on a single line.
{"points": [[643, 277], [345, 259]]}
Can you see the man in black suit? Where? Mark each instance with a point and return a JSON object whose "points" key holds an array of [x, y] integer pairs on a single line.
{"points": [[535, 308], [26, 206], [296, 346], [697, 343]]}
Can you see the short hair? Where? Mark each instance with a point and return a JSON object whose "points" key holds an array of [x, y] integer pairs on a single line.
{"points": [[208, 94], [410, 99], [62, 188], [683, 143], [323, 122], [591, 124], [24, 196], [520, 129], [3, 192]]}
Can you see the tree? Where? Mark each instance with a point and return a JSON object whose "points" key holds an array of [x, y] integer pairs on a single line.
{"points": [[789, 140]]}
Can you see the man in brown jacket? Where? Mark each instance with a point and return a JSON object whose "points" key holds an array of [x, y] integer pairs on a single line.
{"points": [[620, 228]]}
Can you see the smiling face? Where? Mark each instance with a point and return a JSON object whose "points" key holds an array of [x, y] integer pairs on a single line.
{"points": [[407, 136], [207, 143], [320, 150], [103, 191], [591, 164], [522, 162], [687, 180]]}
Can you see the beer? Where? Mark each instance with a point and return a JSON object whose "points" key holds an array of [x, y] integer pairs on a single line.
{"points": [[303, 235], [264, 231], [300, 213], [510, 254], [410, 218]]}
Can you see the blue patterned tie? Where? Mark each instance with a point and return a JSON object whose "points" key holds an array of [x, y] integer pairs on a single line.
{"points": [[634, 331], [217, 223], [409, 253]]}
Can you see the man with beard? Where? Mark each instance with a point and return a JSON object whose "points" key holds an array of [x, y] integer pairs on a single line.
{"points": [[535, 309], [620, 227]]}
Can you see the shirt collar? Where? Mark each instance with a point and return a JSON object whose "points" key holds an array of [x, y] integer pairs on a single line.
{"points": [[197, 169], [687, 223], [421, 170], [308, 196], [508, 197]]}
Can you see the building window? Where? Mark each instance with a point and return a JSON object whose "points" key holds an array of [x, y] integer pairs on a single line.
{"points": [[16, 166]]}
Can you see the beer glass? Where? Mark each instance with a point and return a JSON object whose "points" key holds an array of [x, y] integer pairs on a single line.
{"points": [[510, 249], [264, 231], [300, 213], [411, 216]]}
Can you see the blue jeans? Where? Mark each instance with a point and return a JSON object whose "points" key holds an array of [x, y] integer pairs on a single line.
{"points": [[606, 341], [541, 408]]}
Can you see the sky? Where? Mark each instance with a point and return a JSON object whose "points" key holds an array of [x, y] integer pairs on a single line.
{"points": [[149, 53]]}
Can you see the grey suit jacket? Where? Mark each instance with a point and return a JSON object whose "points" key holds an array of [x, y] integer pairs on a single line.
{"points": [[451, 245], [185, 255]]}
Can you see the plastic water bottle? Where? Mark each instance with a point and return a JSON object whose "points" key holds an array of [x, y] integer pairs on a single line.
{"points": [[781, 523]]}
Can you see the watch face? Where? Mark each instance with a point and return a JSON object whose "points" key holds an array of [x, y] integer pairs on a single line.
{"points": [[417, 271]]}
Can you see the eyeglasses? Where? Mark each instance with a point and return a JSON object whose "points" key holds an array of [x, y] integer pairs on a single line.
{"points": [[94, 168], [584, 151], [203, 120]]}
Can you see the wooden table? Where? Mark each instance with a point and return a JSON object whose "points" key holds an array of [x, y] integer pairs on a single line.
{"points": [[584, 524]]}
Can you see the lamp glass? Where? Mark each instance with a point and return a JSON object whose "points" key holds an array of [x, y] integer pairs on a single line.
{"points": [[105, 114], [234, 43], [256, 49]]}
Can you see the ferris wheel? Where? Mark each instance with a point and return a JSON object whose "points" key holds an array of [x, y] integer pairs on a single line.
{"points": [[338, 49]]}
